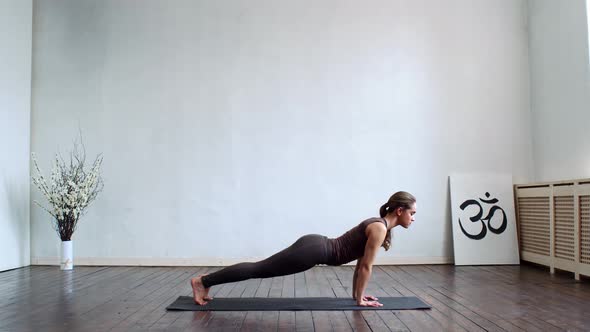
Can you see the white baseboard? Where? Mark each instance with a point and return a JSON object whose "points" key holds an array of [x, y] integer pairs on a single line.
{"points": [[208, 261]]}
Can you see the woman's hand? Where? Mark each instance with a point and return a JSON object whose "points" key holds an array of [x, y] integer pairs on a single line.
{"points": [[365, 303], [369, 298]]}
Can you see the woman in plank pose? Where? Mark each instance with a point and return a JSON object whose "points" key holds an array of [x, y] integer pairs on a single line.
{"points": [[361, 243]]}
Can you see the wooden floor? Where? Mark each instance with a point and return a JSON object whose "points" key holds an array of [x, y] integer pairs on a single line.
{"points": [[481, 298]]}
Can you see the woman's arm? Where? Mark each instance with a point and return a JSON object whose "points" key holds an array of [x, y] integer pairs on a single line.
{"points": [[354, 277], [376, 234], [356, 272]]}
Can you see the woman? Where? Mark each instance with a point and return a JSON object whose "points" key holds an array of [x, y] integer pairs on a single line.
{"points": [[361, 243]]}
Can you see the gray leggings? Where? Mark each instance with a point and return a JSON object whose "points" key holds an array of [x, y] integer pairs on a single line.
{"points": [[305, 253]]}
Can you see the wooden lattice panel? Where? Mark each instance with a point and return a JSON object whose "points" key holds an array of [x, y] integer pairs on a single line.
{"points": [[534, 215], [564, 227], [585, 229]]}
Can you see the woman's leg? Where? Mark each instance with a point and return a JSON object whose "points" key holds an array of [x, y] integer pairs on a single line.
{"points": [[305, 253], [302, 255]]}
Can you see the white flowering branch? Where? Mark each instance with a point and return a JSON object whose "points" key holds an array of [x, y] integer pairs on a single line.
{"points": [[70, 190]]}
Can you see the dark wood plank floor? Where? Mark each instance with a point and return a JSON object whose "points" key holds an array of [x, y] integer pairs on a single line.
{"points": [[470, 298]]}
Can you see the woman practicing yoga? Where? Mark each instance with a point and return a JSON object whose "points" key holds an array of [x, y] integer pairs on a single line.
{"points": [[361, 243]]}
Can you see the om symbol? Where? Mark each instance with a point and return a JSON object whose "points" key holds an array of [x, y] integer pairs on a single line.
{"points": [[488, 218]]}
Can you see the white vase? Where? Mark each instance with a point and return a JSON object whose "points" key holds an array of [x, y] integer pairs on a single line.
{"points": [[67, 257]]}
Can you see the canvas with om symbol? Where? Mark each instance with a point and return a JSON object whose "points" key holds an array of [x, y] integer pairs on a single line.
{"points": [[483, 218]]}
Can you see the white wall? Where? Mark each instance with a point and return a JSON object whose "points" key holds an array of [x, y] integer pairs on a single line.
{"points": [[560, 89], [16, 21], [230, 128]]}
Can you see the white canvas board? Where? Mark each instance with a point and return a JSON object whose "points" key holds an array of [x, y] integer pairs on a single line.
{"points": [[484, 221]]}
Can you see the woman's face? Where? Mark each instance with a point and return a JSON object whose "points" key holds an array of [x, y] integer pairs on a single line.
{"points": [[406, 218]]}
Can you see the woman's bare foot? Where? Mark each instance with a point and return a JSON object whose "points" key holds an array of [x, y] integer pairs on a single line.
{"points": [[200, 293], [207, 297]]}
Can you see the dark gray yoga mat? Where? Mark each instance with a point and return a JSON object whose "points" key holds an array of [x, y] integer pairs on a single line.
{"points": [[293, 304]]}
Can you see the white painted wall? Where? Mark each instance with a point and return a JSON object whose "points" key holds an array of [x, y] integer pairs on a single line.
{"points": [[588, 26], [16, 20], [230, 128], [560, 89]]}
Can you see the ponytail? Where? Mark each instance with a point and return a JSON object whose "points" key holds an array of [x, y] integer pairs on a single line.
{"points": [[387, 241], [383, 210]]}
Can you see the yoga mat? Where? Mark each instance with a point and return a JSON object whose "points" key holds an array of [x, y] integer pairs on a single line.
{"points": [[293, 304]]}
